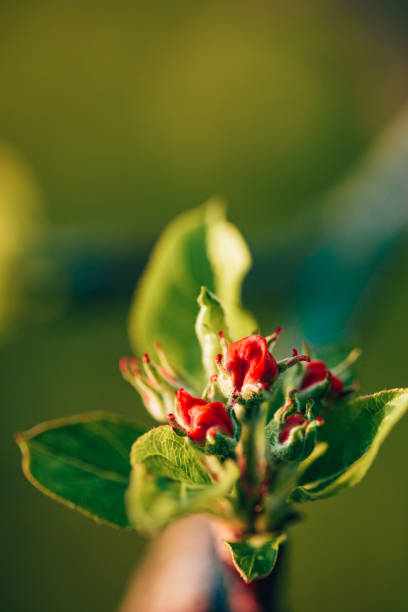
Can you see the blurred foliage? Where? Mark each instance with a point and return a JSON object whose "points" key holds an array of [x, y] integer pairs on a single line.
{"points": [[365, 220], [128, 107], [19, 224]]}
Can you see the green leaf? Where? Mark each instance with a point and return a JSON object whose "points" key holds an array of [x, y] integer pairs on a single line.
{"points": [[210, 321], [255, 557], [167, 455], [197, 248], [83, 462], [230, 259], [353, 433], [169, 480], [154, 501]]}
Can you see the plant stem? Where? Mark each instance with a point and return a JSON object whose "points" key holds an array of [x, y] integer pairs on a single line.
{"points": [[249, 452], [272, 592], [250, 475]]}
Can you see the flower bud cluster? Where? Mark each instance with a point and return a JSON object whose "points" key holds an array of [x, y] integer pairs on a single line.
{"points": [[207, 423], [156, 382], [247, 371], [247, 375], [292, 432]]}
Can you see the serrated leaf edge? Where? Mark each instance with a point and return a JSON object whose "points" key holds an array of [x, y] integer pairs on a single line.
{"points": [[160, 427]]}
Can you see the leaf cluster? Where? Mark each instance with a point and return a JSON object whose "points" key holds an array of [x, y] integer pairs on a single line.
{"points": [[108, 468]]}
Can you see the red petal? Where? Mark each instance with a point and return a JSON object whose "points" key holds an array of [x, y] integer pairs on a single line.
{"points": [[336, 383], [185, 402], [206, 417], [293, 421], [249, 361], [315, 372]]}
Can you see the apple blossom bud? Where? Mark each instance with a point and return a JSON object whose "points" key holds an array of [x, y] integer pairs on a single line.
{"points": [[292, 433], [199, 419]]}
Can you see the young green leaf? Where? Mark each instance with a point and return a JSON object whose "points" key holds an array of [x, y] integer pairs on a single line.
{"points": [[255, 557], [83, 462], [169, 480], [197, 248], [167, 455], [154, 501], [353, 433], [230, 259], [210, 321]]}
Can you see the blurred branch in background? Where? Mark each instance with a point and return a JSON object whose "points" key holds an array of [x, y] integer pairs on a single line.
{"points": [[363, 224]]}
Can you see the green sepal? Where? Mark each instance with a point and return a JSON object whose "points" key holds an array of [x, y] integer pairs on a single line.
{"points": [[352, 435], [255, 557], [83, 462], [237, 424], [210, 321], [298, 447], [318, 392], [220, 445]]}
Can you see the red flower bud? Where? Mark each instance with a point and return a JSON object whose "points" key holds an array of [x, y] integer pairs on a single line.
{"points": [[197, 417], [249, 362], [293, 421], [316, 371]]}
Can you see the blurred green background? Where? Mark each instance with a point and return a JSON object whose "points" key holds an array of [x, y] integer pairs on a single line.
{"points": [[114, 117]]}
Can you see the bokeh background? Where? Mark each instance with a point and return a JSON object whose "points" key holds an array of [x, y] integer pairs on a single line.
{"points": [[114, 117]]}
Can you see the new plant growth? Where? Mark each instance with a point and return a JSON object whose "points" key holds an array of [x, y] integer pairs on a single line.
{"points": [[241, 436]]}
